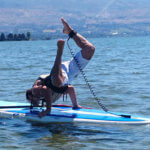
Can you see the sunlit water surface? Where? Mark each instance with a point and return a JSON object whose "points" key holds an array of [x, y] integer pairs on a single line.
{"points": [[119, 74]]}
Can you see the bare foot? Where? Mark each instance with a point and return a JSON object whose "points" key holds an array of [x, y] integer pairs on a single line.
{"points": [[67, 28], [60, 45]]}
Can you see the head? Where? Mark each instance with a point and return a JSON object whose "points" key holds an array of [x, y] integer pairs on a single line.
{"points": [[31, 98]]}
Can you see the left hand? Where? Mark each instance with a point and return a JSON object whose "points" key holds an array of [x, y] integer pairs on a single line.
{"points": [[77, 107], [43, 113]]}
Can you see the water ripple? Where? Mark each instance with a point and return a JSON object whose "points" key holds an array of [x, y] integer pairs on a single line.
{"points": [[119, 74]]}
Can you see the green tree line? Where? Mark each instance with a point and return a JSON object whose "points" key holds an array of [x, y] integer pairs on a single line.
{"points": [[15, 37]]}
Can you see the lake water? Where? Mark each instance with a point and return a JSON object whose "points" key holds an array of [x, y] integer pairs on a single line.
{"points": [[119, 73]]}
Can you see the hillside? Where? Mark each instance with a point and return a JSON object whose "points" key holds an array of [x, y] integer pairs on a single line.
{"points": [[92, 17]]}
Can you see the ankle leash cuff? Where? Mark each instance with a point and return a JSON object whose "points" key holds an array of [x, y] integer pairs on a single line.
{"points": [[72, 33]]}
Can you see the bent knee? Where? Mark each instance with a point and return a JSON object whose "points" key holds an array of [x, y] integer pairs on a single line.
{"points": [[88, 51], [92, 48]]}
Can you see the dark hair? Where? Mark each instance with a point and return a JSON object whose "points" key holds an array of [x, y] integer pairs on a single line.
{"points": [[28, 92]]}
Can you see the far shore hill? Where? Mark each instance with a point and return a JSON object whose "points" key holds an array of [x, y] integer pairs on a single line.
{"points": [[98, 18]]}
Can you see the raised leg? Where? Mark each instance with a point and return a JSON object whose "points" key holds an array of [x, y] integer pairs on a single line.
{"points": [[87, 48], [56, 73]]}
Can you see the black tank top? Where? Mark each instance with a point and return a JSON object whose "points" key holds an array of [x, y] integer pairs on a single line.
{"points": [[48, 82]]}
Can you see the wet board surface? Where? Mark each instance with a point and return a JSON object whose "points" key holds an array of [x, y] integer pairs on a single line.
{"points": [[64, 113]]}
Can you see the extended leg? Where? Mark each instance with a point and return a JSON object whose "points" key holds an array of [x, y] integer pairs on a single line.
{"points": [[56, 73]]}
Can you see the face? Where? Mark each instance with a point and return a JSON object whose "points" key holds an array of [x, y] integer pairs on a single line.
{"points": [[35, 100]]}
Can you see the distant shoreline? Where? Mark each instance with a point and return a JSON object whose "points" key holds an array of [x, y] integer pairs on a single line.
{"points": [[59, 37], [15, 37]]}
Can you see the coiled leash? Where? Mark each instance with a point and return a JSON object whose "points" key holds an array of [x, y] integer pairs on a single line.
{"points": [[71, 34]]}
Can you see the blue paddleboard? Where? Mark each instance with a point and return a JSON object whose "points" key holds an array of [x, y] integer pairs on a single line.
{"points": [[63, 113]]}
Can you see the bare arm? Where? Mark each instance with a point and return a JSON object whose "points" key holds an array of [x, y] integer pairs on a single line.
{"points": [[72, 94], [43, 91]]}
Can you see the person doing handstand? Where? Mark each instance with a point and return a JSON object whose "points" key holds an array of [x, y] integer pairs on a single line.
{"points": [[52, 86]]}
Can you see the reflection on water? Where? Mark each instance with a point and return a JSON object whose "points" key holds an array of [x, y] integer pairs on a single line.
{"points": [[69, 135], [62, 135]]}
